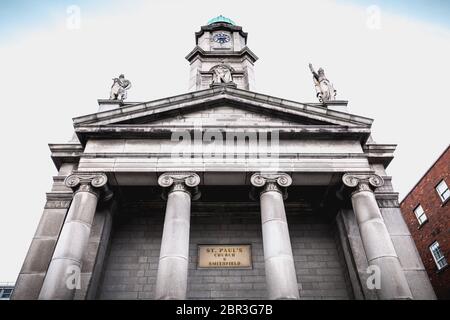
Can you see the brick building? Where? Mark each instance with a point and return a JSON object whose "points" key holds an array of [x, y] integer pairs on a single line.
{"points": [[426, 210]]}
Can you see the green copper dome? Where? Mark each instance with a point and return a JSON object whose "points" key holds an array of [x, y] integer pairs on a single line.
{"points": [[221, 18]]}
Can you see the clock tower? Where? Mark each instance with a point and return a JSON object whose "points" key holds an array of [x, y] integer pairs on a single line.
{"points": [[221, 44]]}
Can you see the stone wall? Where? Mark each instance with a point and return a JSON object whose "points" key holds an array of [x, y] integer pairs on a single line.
{"points": [[131, 267], [34, 268]]}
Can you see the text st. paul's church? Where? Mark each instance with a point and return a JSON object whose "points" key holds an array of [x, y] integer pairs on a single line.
{"points": [[222, 193]]}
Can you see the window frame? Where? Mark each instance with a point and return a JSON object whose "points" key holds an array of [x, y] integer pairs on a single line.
{"points": [[7, 291], [436, 245], [441, 194], [423, 214]]}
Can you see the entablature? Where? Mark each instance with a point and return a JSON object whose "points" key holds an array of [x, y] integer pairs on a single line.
{"points": [[319, 132], [244, 53], [65, 153], [379, 153]]}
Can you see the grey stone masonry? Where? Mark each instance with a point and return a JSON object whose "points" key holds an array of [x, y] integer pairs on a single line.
{"points": [[34, 268], [321, 271], [131, 267], [227, 283], [93, 259]]}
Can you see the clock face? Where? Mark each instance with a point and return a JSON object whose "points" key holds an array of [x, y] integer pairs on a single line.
{"points": [[221, 38]]}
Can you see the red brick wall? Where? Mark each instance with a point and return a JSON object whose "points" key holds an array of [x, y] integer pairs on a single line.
{"points": [[437, 228]]}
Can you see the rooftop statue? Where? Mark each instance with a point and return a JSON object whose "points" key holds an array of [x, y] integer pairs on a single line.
{"points": [[119, 88], [324, 88]]}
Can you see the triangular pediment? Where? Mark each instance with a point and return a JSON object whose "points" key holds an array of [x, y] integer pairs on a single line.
{"points": [[221, 114], [223, 107]]}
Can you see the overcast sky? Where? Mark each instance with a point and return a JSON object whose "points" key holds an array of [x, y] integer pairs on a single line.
{"points": [[388, 58]]}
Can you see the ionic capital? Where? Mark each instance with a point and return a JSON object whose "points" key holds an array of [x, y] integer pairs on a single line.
{"points": [[181, 181], [362, 181], [87, 182], [266, 182]]}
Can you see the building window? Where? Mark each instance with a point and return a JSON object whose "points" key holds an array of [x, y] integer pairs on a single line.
{"points": [[420, 214], [442, 190], [5, 293], [439, 258]]}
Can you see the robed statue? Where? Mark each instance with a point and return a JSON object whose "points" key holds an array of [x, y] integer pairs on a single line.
{"points": [[119, 88], [222, 74], [324, 88]]}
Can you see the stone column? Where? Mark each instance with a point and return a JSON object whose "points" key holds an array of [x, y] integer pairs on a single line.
{"points": [[63, 274], [377, 242], [281, 277], [171, 280]]}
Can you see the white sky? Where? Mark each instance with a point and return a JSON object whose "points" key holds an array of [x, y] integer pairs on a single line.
{"points": [[397, 75]]}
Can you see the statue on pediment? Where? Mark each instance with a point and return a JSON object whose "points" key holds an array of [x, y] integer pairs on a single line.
{"points": [[222, 74], [119, 88], [324, 88]]}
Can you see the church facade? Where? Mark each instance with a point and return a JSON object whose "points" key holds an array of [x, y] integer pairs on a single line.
{"points": [[222, 193]]}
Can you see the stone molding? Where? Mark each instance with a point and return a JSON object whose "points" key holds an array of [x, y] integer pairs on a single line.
{"points": [[261, 101], [244, 52], [69, 152], [387, 199], [265, 182], [362, 181], [57, 205], [180, 181]]}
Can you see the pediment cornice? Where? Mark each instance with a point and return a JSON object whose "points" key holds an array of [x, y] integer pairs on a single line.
{"points": [[315, 113]]}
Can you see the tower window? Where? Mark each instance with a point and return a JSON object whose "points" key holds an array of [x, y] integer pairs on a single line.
{"points": [[420, 214], [442, 190], [438, 256]]}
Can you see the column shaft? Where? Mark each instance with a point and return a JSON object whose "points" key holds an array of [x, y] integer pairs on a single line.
{"points": [[379, 247], [281, 277], [376, 240], [65, 267], [279, 262], [171, 281]]}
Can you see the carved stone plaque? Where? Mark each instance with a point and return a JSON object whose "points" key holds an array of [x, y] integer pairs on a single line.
{"points": [[225, 256]]}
